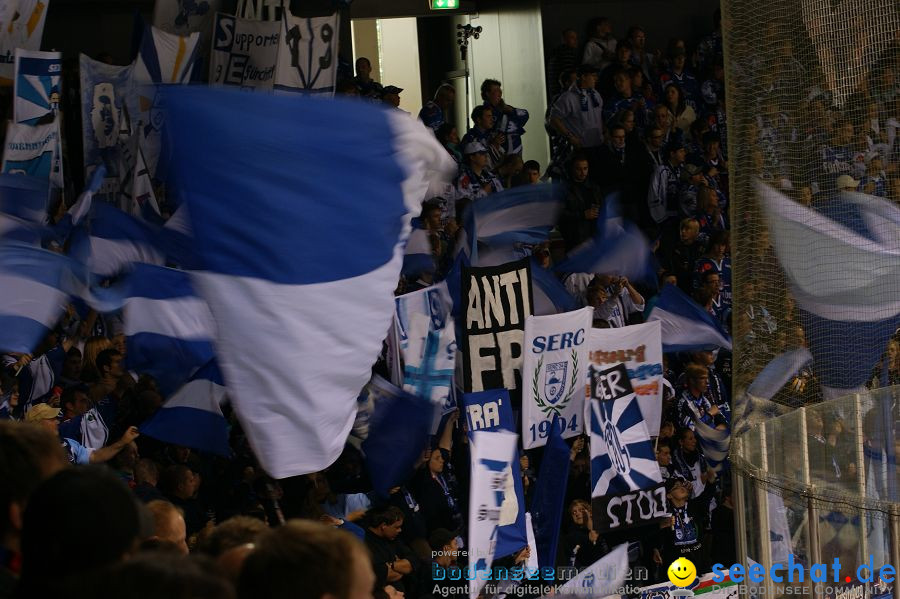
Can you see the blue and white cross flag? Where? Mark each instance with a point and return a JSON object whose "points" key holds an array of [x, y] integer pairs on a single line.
{"points": [[626, 485], [492, 455], [300, 209]]}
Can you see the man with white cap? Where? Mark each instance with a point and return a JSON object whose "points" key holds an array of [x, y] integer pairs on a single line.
{"points": [[47, 417], [476, 180], [846, 183]]}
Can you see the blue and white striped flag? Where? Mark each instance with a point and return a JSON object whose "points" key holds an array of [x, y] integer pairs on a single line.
{"points": [[34, 284], [302, 294], [192, 416], [24, 197], [843, 264], [168, 329], [81, 208], [685, 325], [417, 257], [714, 443], [620, 250], [549, 294], [112, 240]]}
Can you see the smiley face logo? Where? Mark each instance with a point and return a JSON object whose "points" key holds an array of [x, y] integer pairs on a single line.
{"points": [[682, 572]]}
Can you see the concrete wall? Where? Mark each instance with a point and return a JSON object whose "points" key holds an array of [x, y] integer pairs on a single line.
{"points": [[399, 45]]}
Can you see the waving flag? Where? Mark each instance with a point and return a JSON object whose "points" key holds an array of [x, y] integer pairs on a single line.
{"points": [[624, 471], [779, 372], [849, 304], [34, 297], [192, 416], [714, 443], [113, 240], [417, 258], [23, 208], [398, 429], [686, 326], [168, 329], [603, 578], [619, 251], [549, 497], [550, 296], [310, 289]]}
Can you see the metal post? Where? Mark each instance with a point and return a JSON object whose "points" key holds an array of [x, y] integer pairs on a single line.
{"points": [[740, 506], [762, 500], [895, 536], [861, 476], [813, 548]]}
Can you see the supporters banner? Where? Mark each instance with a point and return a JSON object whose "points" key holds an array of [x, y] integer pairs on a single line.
{"points": [[37, 86], [492, 455], [21, 27], [626, 485], [497, 300], [492, 411], [427, 340], [107, 106], [554, 372], [308, 54], [639, 348], [244, 52], [32, 151]]}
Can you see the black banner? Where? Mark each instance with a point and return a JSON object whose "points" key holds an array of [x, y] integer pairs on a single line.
{"points": [[497, 302], [618, 512]]}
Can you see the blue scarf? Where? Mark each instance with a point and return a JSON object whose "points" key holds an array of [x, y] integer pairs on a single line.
{"points": [[583, 95]]}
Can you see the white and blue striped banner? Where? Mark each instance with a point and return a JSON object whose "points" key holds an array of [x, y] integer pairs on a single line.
{"points": [[112, 241], [309, 289], [686, 326]]}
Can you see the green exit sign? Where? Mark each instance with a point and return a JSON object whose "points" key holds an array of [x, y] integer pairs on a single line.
{"points": [[444, 4]]}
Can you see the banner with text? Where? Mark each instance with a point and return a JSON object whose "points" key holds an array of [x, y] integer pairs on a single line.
{"points": [[555, 370], [32, 151], [22, 26], [626, 484], [37, 86], [497, 302], [244, 52], [307, 54], [639, 348]]}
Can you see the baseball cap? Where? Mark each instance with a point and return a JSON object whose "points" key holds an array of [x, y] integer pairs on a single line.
{"points": [[474, 147], [392, 89], [42, 411], [846, 181], [689, 170]]}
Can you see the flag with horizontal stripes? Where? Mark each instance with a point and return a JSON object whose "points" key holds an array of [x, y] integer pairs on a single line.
{"points": [[714, 444]]}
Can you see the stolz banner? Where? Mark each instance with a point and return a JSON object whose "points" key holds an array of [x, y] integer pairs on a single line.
{"points": [[244, 52], [307, 54], [37, 86], [554, 371], [32, 151], [21, 26], [626, 485], [426, 337], [639, 348], [497, 301], [108, 103]]}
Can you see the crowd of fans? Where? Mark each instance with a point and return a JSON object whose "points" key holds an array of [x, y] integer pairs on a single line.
{"points": [[647, 127]]}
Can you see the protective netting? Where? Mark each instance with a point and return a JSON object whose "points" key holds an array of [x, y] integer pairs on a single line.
{"points": [[813, 100]]}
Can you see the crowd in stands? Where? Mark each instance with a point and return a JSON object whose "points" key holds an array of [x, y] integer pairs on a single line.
{"points": [[91, 507]]}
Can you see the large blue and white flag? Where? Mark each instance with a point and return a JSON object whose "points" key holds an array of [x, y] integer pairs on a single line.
{"points": [[604, 578], [192, 415], [714, 443], [34, 284], [549, 294], [619, 250], [492, 411], [168, 328], [23, 209], [520, 215], [37, 86], [493, 454], [307, 54], [80, 209], [843, 265], [427, 342], [285, 271], [554, 371], [417, 258], [549, 496], [777, 373], [112, 241], [399, 427], [686, 326], [108, 105], [624, 471]]}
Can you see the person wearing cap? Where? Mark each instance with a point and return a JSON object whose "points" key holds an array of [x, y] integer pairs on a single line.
{"points": [[48, 417], [678, 74], [476, 180], [508, 120], [846, 183], [390, 95], [662, 196], [577, 114], [435, 112]]}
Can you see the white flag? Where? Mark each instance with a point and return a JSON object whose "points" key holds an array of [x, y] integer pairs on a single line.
{"points": [[492, 455], [602, 578], [554, 374]]}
